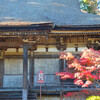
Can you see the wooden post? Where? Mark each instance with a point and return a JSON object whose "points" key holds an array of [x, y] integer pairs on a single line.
{"points": [[40, 91], [65, 64], [32, 68], [1, 71], [25, 70], [61, 65], [61, 95]]}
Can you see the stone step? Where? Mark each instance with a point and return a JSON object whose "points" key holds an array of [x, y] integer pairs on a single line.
{"points": [[10, 95], [11, 99], [16, 95], [32, 95]]}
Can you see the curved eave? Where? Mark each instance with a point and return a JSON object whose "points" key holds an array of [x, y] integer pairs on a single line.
{"points": [[19, 27], [23, 24]]}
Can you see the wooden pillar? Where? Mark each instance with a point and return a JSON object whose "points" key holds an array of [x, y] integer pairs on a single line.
{"points": [[25, 70], [32, 68], [65, 64], [1, 72], [61, 65]]}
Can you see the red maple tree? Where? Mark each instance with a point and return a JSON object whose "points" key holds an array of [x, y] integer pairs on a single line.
{"points": [[85, 71]]}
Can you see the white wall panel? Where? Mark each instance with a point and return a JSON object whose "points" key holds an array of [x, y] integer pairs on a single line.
{"points": [[13, 73], [13, 66], [12, 81], [49, 67]]}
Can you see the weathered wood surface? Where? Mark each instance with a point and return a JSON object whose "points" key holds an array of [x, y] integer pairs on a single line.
{"points": [[25, 71], [61, 65], [31, 69], [57, 88], [1, 71], [68, 39]]}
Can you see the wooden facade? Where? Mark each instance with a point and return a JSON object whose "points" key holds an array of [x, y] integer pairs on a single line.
{"points": [[30, 47]]}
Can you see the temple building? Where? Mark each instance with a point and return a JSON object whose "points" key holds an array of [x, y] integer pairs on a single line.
{"points": [[32, 34]]}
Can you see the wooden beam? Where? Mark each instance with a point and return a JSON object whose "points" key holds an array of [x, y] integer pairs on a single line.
{"points": [[10, 44], [75, 31]]}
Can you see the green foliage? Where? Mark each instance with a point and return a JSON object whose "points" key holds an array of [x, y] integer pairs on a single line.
{"points": [[93, 98], [90, 6]]}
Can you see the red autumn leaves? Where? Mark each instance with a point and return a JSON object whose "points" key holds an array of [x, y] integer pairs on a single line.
{"points": [[84, 70]]}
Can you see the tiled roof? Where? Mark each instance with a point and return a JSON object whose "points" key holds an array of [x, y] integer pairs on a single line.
{"points": [[61, 12]]}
